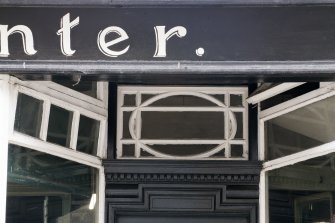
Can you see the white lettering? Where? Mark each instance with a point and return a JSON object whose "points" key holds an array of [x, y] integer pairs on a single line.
{"points": [[27, 39], [65, 34], [162, 38], [103, 45]]}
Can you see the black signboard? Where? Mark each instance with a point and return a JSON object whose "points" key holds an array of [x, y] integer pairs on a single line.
{"points": [[257, 34]]}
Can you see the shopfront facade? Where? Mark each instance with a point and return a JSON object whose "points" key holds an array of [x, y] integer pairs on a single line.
{"points": [[191, 112]]}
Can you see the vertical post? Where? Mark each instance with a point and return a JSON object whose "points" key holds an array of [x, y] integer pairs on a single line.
{"points": [[101, 195], [263, 198], [4, 134], [45, 209]]}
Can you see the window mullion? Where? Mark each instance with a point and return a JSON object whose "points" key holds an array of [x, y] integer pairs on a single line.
{"points": [[102, 142], [74, 130], [227, 126], [261, 139], [138, 126], [13, 103], [102, 92], [45, 120]]}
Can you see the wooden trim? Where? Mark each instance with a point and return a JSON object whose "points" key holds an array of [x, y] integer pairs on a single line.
{"points": [[125, 70], [186, 166], [4, 137], [53, 149], [178, 200], [298, 102], [273, 91], [160, 3]]}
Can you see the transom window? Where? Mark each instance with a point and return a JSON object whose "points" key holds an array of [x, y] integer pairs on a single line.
{"points": [[60, 118], [182, 123]]}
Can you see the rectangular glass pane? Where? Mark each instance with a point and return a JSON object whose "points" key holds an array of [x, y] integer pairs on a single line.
{"points": [[236, 150], [59, 128], [129, 100], [28, 115], [236, 100], [125, 130], [303, 192], [128, 150], [86, 87], [46, 188], [183, 125], [301, 129], [88, 135]]}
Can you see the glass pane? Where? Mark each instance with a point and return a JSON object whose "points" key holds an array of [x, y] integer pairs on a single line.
{"points": [[129, 100], [183, 125], [60, 123], [301, 129], [44, 185], [28, 115], [236, 100], [236, 151], [183, 100], [128, 150], [126, 133], [145, 154], [239, 125], [88, 135], [220, 97], [182, 150], [145, 97], [220, 154], [303, 192], [86, 87]]}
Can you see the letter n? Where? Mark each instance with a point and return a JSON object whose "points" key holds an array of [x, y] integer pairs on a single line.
{"points": [[27, 39]]}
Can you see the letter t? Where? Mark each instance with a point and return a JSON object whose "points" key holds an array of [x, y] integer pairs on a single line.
{"points": [[65, 34]]}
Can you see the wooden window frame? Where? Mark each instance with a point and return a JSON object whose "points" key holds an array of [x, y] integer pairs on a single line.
{"points": [[326, 90], [162, 92], [76, 102]]}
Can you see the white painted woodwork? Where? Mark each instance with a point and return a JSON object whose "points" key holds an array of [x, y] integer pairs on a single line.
{"points": [[273, 91], [51, 93], [4, 134], [161, 93], [326, 90]]}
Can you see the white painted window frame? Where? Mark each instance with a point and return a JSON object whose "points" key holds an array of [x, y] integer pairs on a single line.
{"points": [[202, 92], [273, 91], [41, 91], [75, 102], [326, 90], [4, 136]]}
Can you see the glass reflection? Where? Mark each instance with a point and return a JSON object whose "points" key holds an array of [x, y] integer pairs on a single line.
{"points": [[304, 192], [28, 115], [48, 189], [301, 129]]}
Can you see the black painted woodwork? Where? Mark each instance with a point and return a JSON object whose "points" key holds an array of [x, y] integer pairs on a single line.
{"points": [[112, 120], [242, 43], [253, 127], [161, 2], [181, 190], [227, 33]]}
